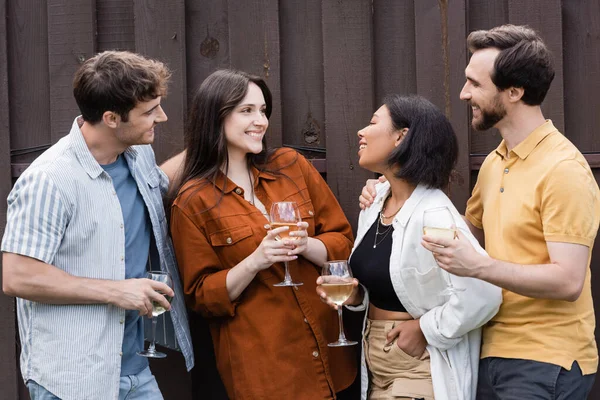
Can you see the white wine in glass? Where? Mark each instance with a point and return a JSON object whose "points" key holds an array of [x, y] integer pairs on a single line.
{"points": [[337, 284], [157, 310], [285, 213], [439, 223]]}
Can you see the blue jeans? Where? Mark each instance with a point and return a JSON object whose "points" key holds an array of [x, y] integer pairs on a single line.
{"points": [[515, 379], [141, 386]]}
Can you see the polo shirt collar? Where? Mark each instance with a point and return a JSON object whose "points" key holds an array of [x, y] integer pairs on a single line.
{"points": [[523, 149]]}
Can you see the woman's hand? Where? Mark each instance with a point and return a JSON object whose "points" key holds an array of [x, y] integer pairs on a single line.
{"points": [[271, 251], [410, 338], [298, 242], [354, 299]]}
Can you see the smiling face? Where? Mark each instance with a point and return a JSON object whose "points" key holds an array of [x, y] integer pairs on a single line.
{"points": [[246, 125], [481, 93], [377, 141], [141, 120]]}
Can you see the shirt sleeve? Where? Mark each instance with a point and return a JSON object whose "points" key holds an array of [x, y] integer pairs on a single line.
{"points": [[36, 218], [331, 225], [474, 212], [202, 275], [570, 207]]}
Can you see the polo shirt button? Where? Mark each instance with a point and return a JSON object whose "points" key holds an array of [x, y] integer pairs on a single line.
{"points": [[501, 190], [311, 212], [239, 191], [229, 240], [506, 170], [315, 354]]}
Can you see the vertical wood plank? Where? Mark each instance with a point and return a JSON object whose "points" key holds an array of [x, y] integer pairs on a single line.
{"points": [[394, 48], [160, 34], [349, 95], [28, 72], [8, 351], [458, 112], [71, 40], [581, 46], [254, 48], [116, 30], [302, 93], [484, 14], [545, 16], [207, 40]]}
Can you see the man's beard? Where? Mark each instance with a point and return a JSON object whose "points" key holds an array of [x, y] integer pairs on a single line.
{"points": [[489, 118]]}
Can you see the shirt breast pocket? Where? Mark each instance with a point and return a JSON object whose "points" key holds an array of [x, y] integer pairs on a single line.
{"points": [[424, 289], [233, 244], [307, 214]]}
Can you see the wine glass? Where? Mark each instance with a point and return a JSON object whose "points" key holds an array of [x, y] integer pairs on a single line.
{"points": [[285, 213], [337, 284], [157, 310], [439, 223]]}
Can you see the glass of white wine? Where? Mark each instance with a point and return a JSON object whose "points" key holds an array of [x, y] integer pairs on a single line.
{"points": [[285, 213], [439, 223], [337, 284], [157, 310]]}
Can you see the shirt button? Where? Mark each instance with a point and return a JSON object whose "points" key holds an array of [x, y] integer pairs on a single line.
{"points": [[121, 226], [266, 226], [121, 322], [506, 170], [315, 354], [228, 240], [121, 354], [122, 258], [311, 212], [501, 190], [239, 191], [305, 321], [114, 193]]}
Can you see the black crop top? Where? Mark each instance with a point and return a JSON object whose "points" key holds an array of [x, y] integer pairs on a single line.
{"points": [[371, 266]]}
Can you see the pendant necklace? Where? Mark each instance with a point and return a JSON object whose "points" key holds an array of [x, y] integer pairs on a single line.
{"points": [[385, 232]]}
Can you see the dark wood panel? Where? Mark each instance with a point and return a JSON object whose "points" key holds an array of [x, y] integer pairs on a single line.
{"points": [[9, 381], [160, 34], [394, 48], [302, 88], [28, 72], [454, 29], [71, 40], [116, 30], [254, 48], [581, 47], [545, 16], [485, 14], [207, 40], [348, 75]]}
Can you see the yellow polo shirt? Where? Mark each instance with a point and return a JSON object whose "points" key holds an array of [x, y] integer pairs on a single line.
{"points": [[543, 191]]}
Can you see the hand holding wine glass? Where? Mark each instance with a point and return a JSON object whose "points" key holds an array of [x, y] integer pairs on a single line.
{"points": [[438, 222], [337, 282], [157, 309], [285, 214]]}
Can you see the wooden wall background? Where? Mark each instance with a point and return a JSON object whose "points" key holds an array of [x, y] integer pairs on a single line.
{"points": [[329, 63]]}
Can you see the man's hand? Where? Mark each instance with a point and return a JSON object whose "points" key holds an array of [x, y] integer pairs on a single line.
{"points": [[368, 192], [410, 338], [456, 256], [138, 294]]}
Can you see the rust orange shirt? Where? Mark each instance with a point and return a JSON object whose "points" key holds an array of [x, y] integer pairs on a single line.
{"points": [[271, 342]]}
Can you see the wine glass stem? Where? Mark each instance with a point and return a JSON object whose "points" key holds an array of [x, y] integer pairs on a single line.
{"points": [[287, 277], [342, 337], [152, 347]]}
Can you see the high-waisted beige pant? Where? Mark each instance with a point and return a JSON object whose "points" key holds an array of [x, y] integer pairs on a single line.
{"points": [[393, 373]]}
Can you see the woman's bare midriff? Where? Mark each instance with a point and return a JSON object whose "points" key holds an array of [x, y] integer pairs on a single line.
{"points": [[376, 313]]}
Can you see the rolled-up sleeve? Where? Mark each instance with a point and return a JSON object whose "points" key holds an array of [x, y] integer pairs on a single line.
{"points": [[203, 277], [36, 218]]}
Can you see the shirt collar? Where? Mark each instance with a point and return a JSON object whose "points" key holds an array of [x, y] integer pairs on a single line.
{"points": [[226, 185], [83, 153], [523, 149]]}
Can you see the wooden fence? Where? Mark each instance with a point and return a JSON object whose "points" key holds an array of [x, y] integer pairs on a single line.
{"points": [[328, 62]]}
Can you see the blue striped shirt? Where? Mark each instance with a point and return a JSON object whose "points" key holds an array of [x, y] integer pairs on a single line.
{"points": [[64, 211]]}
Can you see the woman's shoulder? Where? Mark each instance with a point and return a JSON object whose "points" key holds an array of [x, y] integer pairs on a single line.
{"points": [[283, 157], [195, 191]]}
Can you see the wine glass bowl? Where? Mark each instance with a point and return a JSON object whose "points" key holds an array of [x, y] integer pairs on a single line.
{"points": [[337, 283]]}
